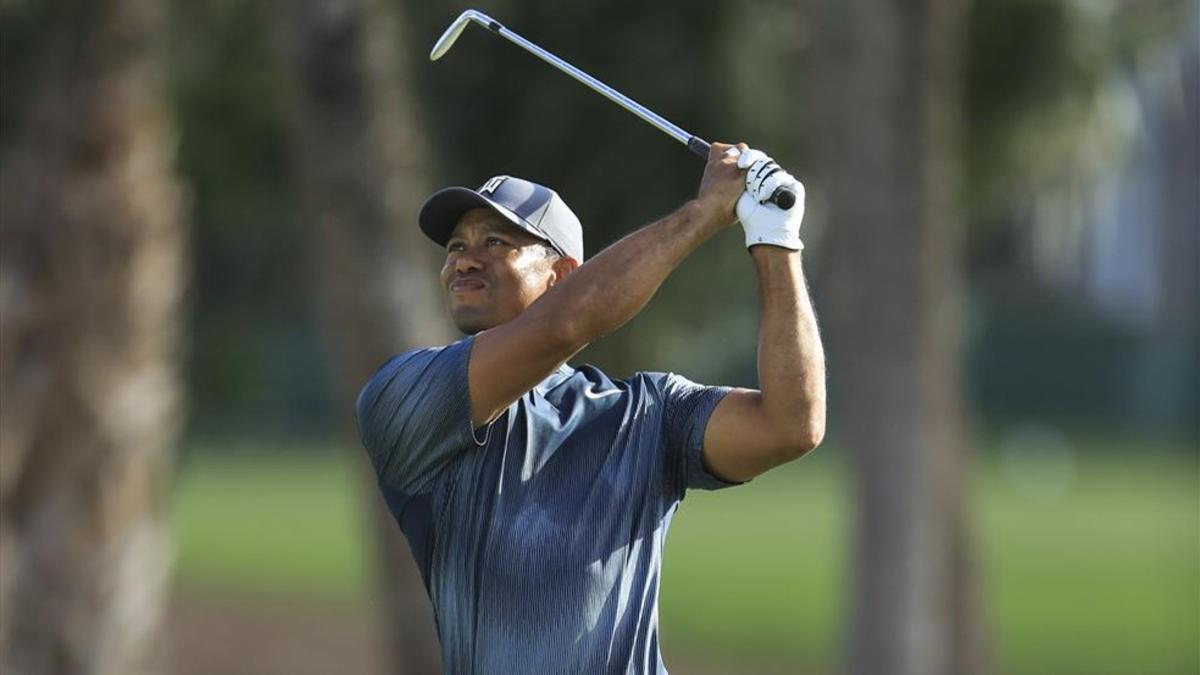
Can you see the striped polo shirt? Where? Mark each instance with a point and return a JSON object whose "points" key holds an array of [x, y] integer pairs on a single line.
{"points": [[540, 536]]}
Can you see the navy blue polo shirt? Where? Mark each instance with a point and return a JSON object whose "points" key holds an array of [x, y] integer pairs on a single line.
{"points": [[540, 536]]}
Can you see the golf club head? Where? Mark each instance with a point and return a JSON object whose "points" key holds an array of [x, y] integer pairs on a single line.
{"points": [[456, 28]]}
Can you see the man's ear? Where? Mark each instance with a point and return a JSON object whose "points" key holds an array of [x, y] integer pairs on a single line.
{"points": [[563, 266]]}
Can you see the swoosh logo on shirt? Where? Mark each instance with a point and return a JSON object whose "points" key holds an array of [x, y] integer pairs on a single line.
{"points": [[591, 392]]}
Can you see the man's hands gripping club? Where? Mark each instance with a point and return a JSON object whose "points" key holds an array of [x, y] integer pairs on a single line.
{"points": [[739, 181], [764, 222]]}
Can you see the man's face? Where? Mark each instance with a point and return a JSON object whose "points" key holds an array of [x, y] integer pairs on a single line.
{"points": [[494, 270]]}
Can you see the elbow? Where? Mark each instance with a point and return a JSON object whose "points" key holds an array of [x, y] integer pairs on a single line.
{"points": [[806, 441], [805, 435], [816, 434]]}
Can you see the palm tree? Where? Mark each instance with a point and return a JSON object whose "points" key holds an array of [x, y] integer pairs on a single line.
{"points": [[91, 269], [884, 79], [362, 164]]}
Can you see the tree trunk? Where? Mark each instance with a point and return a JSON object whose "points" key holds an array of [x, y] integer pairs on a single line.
{"points": [[884, 85], [91, 246], [362, 170]]}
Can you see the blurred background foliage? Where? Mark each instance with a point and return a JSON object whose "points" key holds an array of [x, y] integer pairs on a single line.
{"points": [[1082, 243]]}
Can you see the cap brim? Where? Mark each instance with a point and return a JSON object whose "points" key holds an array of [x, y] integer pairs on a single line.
{"points": [[442, 211]]}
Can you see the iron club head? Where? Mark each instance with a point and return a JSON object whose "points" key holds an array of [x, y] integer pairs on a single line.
{"points": [[446, 41]]}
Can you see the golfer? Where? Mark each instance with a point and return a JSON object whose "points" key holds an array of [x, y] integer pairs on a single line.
{"points": [[536, 496]]}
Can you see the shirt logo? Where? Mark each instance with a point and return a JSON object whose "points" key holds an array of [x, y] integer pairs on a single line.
{"points": [[490, 186]]}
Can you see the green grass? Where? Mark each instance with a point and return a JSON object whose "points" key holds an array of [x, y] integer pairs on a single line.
{"points": [[760, 569], [1106, 579], [1102, 576], [289, 522]]}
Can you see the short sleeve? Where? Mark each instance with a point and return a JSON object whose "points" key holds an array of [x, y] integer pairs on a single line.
{"points": [[414, 415], [687, 407]]}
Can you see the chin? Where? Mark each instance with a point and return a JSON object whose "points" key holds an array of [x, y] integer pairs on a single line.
{"points": [[470, 323], [470, 329]]}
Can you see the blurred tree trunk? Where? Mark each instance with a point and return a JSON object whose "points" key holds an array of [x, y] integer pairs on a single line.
{"points": [[91, 246], [1164, 386], [884, 96], [362, 170]]}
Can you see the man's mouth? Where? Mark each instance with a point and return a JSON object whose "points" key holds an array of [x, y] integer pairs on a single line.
{"points": [[466, 284]]}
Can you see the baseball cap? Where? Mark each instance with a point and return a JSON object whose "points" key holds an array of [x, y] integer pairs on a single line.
{"points": [[534, 208]]}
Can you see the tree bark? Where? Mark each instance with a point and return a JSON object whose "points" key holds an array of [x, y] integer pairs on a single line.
{"points": [[884, 83], [91, 270], [363, 173]]}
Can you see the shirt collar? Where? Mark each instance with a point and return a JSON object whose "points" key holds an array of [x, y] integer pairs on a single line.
{"points": [[554, 379]]}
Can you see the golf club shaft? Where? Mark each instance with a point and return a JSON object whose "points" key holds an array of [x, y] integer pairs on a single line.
{"points": [[608, 92], [784, 197]]}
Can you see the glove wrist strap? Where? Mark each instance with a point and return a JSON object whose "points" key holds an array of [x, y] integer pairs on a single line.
{"points": [[783, 240]]}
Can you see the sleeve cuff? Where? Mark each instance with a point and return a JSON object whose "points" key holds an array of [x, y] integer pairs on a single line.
{"points": [[698, 475]]}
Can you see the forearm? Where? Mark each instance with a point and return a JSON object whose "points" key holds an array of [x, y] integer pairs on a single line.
{"points": [[791, 362], [614, 286]]}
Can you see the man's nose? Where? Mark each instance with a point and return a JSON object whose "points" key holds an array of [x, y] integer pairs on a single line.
{"points": [[467, 261]]}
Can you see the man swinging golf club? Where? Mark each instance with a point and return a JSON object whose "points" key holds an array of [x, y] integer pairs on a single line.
{"points": [[536, 496]]}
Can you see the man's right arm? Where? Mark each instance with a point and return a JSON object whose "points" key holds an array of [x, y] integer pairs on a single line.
{"points": [[598, 297]]}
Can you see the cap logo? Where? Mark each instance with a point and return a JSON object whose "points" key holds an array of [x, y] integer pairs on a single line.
{"points": [[490, 186]]}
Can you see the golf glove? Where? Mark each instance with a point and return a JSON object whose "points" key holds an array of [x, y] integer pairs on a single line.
{"points": [[763, 222]]}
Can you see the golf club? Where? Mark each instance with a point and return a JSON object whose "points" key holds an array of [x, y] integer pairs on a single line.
{"points": [[784, 197]]}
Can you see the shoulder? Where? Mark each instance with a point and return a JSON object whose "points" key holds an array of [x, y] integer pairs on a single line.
{"points": [[655, 384], [593, 379], [665, 385], [416, 366], [426, 356]]}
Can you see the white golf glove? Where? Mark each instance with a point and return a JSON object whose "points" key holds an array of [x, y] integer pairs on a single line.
{"points": [[763, 222]]}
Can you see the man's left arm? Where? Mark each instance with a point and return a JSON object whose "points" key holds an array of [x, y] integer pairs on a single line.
{"points": [[752, 431]]}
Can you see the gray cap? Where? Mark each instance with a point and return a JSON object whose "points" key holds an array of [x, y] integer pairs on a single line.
{"points": [[534, 208]]}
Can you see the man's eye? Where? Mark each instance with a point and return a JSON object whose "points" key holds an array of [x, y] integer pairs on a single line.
{"points": [[454, 246], [495, 241]]}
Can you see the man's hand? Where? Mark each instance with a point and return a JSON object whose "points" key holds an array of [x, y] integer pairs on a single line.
{"points": [[723, 182], [764, 222]]}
